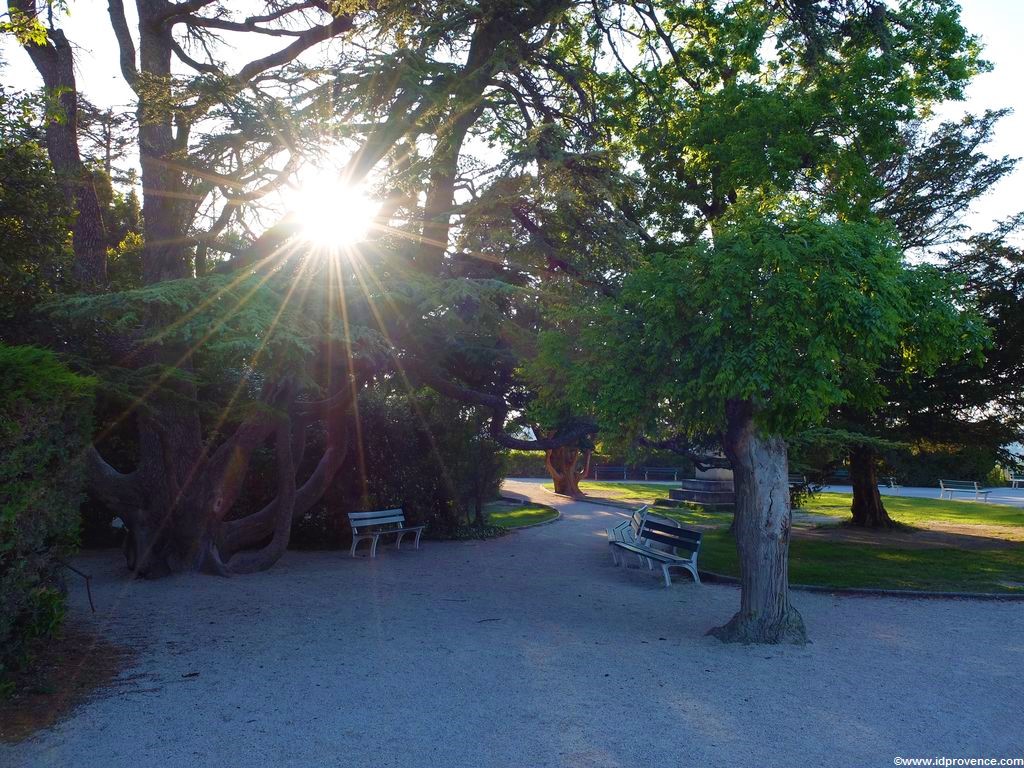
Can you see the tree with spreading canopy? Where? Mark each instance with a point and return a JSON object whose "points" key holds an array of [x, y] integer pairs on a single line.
{"points": [[768, 288], [949, 383], [243, 335]]}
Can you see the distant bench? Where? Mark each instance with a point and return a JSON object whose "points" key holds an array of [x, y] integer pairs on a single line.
{"points": [[662, 472], [1016, 479], [797, 480], [608, 471], [962, 486], [370, 526]]}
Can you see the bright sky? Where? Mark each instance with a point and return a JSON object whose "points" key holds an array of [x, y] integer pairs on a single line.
{"points": [[999, 23]]}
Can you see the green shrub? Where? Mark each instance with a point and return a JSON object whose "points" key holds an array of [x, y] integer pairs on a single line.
{"points": [[525, 464], [45, 426], [424, 453], [925, 468]]}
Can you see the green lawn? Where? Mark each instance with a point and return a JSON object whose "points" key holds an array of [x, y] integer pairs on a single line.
{"points": [[517, 515], [906, 510], [916, 511], [846, 565], [645, 493], [697, 515], [831, 564]]}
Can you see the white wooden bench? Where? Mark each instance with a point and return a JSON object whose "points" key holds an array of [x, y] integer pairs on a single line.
{"points": [[679, 547], [962, 486], [1016, 479], [370, 526]]}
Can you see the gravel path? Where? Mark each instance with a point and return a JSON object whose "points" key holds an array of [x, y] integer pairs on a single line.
{"points": [[530, 650]]}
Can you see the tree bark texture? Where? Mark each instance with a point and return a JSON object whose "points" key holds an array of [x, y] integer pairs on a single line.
{"points": [[55, 62], [762, 528], [868, 509], [563, 465]]}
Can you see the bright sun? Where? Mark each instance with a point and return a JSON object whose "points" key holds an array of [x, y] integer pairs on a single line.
{"points": [[330, 212]]}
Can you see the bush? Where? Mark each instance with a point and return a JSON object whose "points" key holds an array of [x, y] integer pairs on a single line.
{"points": [[45, 426], [925, 468], [525, 464], [424, 453]]}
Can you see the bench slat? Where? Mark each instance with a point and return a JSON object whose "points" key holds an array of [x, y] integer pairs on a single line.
{"points": [[377, 521], [375, 514], [653, 554], [673, 541]]}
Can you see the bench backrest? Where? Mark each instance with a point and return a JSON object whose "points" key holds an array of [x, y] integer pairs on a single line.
{"points": [[637, 520], [382, 518], [958, 485], [797, 479], [672, 536]]}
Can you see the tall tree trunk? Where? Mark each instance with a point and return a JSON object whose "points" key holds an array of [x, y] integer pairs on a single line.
{"points": [[868, 509], [563, 464], [55, 62], [762, 526]]}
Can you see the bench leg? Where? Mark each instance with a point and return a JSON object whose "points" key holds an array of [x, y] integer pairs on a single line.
{"points": [[373, 547], [417, 542], [611, 551], [352, 552], [398, 541]]}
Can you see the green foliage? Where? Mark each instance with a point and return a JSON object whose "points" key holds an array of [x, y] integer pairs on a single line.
{"points": [[45, 427], [926, 463], [24, 27], [808, 300], [35, 228], [418, 451]]}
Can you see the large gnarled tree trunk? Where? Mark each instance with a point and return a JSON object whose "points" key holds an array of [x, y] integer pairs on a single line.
{"points": [[762, 527], [563, 464], [868, 509]]}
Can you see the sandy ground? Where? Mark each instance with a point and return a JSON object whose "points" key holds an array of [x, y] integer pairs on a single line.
{"points": [[530, 650]]}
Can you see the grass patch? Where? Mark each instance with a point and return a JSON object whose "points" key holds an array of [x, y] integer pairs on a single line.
{"points": [[697, 515], [916, 511], [833, 564], [904, 509], [829, 564], [507, 515], [645, 493]]}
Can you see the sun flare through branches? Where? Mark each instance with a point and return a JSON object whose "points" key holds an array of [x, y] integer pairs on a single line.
{"points": [[331, 213]]}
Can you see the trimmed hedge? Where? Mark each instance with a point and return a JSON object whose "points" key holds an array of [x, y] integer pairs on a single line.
{"points": [[45, 425]]}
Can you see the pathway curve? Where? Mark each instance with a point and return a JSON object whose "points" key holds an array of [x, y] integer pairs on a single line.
{"points": [[529, 650]]}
